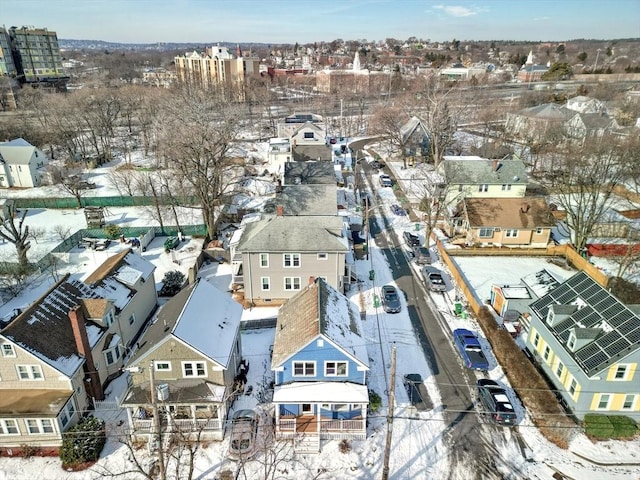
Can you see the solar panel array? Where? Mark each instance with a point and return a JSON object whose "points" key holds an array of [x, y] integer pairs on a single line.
{"points": [[620, 326]]}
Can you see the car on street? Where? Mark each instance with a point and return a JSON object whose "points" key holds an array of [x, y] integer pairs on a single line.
{"points": [[244, 429], [411, 240], [398, 210], [495, 399], [421, 255], [385, 181], [390, 299], [470, 349], [417, 391], [377, 164], [434, 279]]}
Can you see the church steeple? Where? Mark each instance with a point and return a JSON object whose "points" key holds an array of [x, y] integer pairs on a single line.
{"points": [[238, 51], [529, 58], [356, 62]]}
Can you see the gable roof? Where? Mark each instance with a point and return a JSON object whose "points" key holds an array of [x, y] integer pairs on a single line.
{"points": [[520, 213], [17, 151], [477, 170], [548, 111], [201, 316], [294, 234], [44, 329], [305, 200], [595, 308], [309, 173], [413, 125], [318, 310]]}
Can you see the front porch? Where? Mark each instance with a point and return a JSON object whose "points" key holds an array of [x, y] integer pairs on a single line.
{"points": [[187, 420], [325, 428]]}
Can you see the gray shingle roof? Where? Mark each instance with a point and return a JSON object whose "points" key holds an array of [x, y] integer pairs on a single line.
{"points": [[294, 234], [476, 170]]}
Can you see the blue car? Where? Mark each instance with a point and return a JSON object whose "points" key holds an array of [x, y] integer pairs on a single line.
{"points": [[470, 350], [398, 210]]}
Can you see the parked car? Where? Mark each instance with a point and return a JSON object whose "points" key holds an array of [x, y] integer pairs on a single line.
{"points": [[377, 164], [434, 279], [171, 243], [421, 255], [411, 239], [398, 210], [496, 401], [470, 350], [385, 181], [390, 299], [417, 391], [244, 428]]}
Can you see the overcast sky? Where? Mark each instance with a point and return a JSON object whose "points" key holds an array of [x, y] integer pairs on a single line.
{"points": [[305, 21]]}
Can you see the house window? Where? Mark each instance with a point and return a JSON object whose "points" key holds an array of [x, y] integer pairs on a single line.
{"points": [[194, 369], [621, 372], [308, 135], [485, 232], [304, 369], [292, 283], [629, 400], [506, 187], [510, 233], [536, 340], [67, 413], [547, 353], [483, 188], [460, 187], [29, 372], [132, 319], [112, 355], [41, 425], [323, 256], [603, 402], [7, 350], [559, 369], [335, 369], [291, 260], [573, 386], [264, 260], [572, 341], [539, 231], [162, 366], [109, 318], [8, 427], [306, 408], [264, 282]]}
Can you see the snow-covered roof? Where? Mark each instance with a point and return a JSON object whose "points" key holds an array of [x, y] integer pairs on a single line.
{"points": [[321, 392]]}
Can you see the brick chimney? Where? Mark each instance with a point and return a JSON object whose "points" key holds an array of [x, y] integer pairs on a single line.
{"points": [[92, 383], [496, 165], [280, 210], [524, 208], [312, 280]]}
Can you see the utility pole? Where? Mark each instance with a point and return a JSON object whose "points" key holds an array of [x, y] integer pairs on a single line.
{"points": [[156, 421], [366, 224], [392, 391]]}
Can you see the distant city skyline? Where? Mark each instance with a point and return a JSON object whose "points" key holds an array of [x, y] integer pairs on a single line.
{"points": [[306, 21]]}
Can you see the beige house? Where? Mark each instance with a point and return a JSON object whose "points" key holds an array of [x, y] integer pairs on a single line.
{"points": [[192, 354], [21, 164], [276, 256], [477, 177], [58, 353], [502, 222]]}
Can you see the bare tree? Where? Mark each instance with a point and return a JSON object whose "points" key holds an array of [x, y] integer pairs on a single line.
{"points": [[62, 232], [197, 134], [68, 178], [37, 232], [13, 230], [585, 180]]}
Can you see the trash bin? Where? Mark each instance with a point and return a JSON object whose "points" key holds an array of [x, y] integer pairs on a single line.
{"points": [[464, 314], [376, 301], [458, 308], [417, 227], [372, 274]]}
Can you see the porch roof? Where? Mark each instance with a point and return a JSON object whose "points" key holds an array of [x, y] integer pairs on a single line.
{"points": [[33, 402], [180, 392], [321, 392]]}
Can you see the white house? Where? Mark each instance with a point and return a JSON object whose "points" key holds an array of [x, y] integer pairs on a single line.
{"points": [[21, 164]]}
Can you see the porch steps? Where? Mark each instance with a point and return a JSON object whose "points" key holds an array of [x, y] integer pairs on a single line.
{"points": [[307, 444]]}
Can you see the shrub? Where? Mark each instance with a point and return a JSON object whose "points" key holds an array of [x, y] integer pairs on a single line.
{"points": [[28, 451], [82, 443], [344, 446], [112, 230], [172, 283], [605, 427], [375, 402]]}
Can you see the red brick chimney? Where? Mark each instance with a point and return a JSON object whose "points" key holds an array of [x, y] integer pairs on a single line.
{"points": [[280, 210], [312, 280], [495, 165], [92, 383]]}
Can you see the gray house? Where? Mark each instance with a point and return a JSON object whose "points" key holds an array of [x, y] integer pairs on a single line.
{"points": [[588, 344], [280, 253]]}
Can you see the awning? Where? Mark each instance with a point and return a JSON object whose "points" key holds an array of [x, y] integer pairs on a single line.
{"points": [[321, 392]]}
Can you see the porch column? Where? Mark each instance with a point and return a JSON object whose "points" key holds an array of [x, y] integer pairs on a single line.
{"points": [[130, 418], [318, 407]]}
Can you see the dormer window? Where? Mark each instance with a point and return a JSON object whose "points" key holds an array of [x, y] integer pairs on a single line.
{"points": [[571, 344]]}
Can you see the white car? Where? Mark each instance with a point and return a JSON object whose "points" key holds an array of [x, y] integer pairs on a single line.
{"points": [[385, 181]]}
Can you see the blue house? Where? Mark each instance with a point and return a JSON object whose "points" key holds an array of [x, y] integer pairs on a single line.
{"points": [[320, 362]]}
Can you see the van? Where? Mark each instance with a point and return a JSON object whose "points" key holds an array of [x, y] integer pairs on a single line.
{"points": [[421, 255]]}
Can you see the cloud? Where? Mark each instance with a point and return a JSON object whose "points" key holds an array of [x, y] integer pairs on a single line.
{"points": [[457, 10]]}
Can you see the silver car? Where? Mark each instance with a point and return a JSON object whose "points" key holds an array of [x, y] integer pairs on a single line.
{"points": [[390, 299], [434, 279]]}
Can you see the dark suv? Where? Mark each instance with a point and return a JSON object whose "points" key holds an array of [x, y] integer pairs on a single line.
{"points": [[411, 239], [496, 401]]}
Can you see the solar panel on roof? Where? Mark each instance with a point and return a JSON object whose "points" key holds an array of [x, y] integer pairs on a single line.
{"points": [[588, 351], [575, 280], [600, 296], [616, 347], [564, 325], [634, 337], [592, 319], [622, 316], [565, 297], [590, 291], [595, 361], [625, 328]]}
